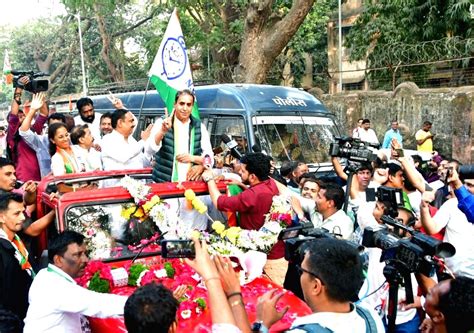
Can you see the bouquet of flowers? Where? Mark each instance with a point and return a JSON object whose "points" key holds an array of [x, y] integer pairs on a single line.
{"points": [[280, 211]]}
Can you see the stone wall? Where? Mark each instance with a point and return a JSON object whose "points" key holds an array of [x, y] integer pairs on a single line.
{"points": [[449, 109]]}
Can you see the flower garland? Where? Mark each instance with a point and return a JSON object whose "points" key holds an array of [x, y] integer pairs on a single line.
{"points": [[172, 273], [150, 207]]}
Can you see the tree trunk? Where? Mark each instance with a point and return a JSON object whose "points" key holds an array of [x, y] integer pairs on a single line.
{"points": [[116, 75], [265, 36]]}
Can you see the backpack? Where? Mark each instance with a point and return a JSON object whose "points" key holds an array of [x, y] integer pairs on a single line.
{"points": [[371, 326]]}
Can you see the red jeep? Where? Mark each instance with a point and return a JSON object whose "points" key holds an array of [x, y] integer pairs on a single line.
{"points": [[99, 215]]}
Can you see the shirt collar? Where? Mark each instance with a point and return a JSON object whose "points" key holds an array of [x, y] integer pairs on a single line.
{"points": [[56, 270]]}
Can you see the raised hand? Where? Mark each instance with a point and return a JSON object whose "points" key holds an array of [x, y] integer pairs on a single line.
{"points": [[116, 102], [146, 133], [229, 277], [167, 122], [37, 101]]}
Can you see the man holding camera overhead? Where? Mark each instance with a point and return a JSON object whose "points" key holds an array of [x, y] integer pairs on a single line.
{"points": [[22, 155]]}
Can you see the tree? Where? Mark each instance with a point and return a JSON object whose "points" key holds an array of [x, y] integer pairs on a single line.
{"points": [[244, 50], [390, 33]]}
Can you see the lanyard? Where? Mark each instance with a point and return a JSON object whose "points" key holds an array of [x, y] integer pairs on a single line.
{"points": [[53, 270]]}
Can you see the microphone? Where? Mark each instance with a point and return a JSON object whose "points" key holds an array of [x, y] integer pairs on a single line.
{"points": [[232, 145]]}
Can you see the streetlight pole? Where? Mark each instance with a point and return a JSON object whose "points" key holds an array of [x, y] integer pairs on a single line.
{"points": [[84, 85], [340, 47]]}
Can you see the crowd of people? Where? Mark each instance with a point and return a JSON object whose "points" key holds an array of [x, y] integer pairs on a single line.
{"points": [[346, 290]]}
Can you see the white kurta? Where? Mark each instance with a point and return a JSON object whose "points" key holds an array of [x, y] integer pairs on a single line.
{"points": [[182, 144]]}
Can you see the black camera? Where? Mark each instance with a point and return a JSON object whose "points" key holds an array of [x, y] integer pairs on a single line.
{"points": [[353, 149], [390, 196], [34, 86], [177, 248], [296, 239], [410, 255]]}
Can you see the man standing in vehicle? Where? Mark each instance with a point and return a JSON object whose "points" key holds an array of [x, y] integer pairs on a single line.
{"points": [[179, 142], [87, 115]]}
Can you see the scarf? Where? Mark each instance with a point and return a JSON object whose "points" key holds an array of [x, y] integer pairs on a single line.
{"points": [[70, 163], [21, 253]]}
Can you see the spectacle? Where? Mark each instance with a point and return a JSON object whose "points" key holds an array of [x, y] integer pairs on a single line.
{"points": [[301, 270]]}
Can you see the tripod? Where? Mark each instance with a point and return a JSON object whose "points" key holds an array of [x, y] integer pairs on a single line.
{"points": [[396, 275]]}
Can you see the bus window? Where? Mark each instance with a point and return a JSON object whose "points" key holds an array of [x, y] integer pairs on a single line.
{"points": [[295, 138], [233, 127]]}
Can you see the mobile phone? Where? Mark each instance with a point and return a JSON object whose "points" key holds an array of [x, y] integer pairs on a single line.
{"points": [[400, 152], [177, 248]]}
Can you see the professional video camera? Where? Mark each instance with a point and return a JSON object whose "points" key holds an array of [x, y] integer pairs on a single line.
{"points": [[418, 254], [353, 149], [412, 255], [33, 85], [390, 196], [296, 237]]}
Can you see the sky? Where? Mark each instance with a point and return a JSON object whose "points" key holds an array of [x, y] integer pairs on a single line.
{"points": [[18, 12]]}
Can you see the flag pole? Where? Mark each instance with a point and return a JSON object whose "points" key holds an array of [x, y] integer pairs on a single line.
{"points": [[143, 101]]}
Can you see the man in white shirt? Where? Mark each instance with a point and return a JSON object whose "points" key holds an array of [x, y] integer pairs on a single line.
{"points": [[57, 303], [179, 142], [459, 232], [120, 150], [365, 133], [329, 214], [87, 115]]}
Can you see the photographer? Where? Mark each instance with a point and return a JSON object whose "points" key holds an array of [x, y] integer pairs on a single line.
{"points": [[374, 293], [330, 276], [22, 155], [459, 232]]}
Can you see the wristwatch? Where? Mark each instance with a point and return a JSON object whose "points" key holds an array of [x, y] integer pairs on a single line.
{"points": [[258, 327], [207, 179]]}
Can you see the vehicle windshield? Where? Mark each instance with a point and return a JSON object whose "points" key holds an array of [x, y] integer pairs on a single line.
{"points": [[295, 138], [119, 230]]}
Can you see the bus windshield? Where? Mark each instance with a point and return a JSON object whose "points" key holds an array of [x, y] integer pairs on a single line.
{"points": [[305, 138]]}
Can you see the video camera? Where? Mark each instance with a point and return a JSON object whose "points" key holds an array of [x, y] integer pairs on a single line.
{"points": [[353, 149], [295, 239], [416, 254], [33, 85], [390, 196]]}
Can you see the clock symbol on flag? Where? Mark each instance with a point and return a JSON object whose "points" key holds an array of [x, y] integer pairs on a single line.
{"points": [[174, 57]]}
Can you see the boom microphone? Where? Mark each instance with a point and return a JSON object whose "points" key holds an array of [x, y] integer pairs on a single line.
{"points": [[232, 145]]}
